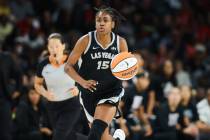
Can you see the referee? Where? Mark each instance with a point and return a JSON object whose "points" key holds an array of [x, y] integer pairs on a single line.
{"points": [[62, 103]]}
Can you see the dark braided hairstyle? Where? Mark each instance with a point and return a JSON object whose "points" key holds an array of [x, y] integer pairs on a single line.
{"points": [[115, 15]]}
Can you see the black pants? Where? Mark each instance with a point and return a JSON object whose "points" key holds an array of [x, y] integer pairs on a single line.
{"points": [[5, 120], [64, 115]]}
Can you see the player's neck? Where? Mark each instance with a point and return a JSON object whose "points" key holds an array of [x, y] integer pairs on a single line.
{"points": [[104, 39], [56, 63]]}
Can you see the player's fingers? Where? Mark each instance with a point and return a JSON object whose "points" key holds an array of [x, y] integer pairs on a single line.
{"points": [[93, 82], [91, 90], [93, 87]]}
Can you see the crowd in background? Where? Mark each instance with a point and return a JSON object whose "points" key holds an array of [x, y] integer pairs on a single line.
{"points": [[169, 100]]}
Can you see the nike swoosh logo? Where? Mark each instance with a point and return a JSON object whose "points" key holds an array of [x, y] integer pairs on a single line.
{"points": [[94, 48], [47, 72]]}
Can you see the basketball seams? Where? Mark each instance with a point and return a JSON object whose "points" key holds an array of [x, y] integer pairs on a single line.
{"points": [[126, 69], [123, 58], [119, 71], [120, 61], [127, 77]]}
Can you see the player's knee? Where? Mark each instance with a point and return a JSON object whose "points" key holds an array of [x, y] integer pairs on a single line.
{"points": [[97, 129]]}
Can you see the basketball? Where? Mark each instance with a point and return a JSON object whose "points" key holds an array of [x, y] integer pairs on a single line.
{"points": [[124, 66]]}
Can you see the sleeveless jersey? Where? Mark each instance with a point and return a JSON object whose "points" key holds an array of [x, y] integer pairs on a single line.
{"points": [[96, 62]]}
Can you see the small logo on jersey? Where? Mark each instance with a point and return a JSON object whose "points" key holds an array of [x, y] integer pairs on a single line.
{"points": [[113, 48], [94, 48], [47, 72]]}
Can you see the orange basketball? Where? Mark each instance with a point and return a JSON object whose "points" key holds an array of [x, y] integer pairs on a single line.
{"points": [[124, 66]]}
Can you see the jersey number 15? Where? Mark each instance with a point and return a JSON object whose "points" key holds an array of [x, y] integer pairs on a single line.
{"points": [[103, 65]]}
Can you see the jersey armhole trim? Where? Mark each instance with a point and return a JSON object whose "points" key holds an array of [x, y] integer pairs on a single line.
{"points": [[89, 43], [118, 43]]}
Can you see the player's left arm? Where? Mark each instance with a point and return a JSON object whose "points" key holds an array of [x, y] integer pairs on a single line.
{"points": [[123, 44]]}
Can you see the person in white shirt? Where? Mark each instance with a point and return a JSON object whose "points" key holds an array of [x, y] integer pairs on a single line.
{"points": [[204, 115]]}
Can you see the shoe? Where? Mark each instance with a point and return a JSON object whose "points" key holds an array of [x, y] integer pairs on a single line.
{"points": [[119, 134]]}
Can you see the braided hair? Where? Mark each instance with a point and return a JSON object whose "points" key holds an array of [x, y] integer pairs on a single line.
{"points": [[115, 15]]}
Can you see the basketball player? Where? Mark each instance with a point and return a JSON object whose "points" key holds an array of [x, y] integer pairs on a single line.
{"points": [[63, 105], [100, 90]]}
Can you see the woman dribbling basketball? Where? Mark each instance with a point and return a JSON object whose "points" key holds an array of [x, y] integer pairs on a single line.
{"points": [[100, 91]]}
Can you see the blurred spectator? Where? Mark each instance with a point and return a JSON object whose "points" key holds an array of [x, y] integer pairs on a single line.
{"points": [[21, 9], [67, 4], [163, 83], [133, 107], [6, 28], [4, 8], [33, 39], [190, 113], [204, 114], [10, 85], [32, 122], [169, 117], [188, 104], [182, 76], [46, 22]]}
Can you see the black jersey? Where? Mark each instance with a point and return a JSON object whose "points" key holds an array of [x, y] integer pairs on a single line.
{"points": [[96, 62]]}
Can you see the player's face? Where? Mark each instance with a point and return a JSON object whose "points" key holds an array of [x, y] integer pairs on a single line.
{"points": [[55, 47], [104, 23]]}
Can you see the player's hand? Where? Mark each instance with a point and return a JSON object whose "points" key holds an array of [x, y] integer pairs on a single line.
{"points": [[74, 91], [89, 84], [49, 95], [46, 131]]}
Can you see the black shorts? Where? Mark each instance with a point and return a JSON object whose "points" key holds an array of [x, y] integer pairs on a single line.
{"points": [[89, 101]]}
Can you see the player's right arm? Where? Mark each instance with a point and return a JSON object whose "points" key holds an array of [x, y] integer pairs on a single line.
{"points": [[76, 53]]}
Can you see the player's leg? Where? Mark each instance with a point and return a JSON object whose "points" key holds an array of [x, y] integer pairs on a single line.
{"points": [[106, 113], [103, 116], [99, 116]]}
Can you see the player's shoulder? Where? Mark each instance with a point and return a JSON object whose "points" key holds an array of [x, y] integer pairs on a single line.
{"points": [[121, 39], [122, 44], [40, 66], [44, 62], [85, 38]]}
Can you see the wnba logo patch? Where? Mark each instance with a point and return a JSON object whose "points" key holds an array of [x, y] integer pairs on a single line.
{"points": [[113, 48]]}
